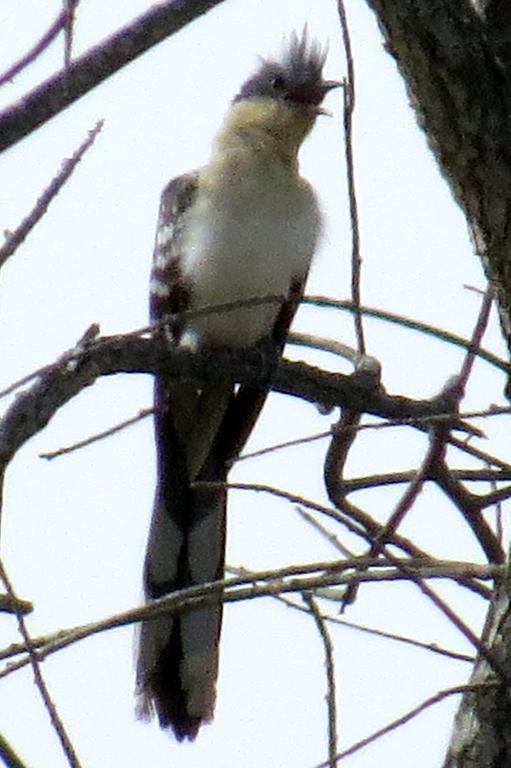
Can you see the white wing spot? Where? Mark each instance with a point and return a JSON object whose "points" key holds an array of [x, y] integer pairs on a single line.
{"points": [[159, 288], [162, 259], [189, 340], [165, 235]]}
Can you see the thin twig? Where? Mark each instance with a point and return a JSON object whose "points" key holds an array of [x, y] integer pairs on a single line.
{"points": [[14, 239], [349, 107], [296, 578], [476, 475], [324, 345], [477, 337], [57, 723], [420, 644], [436, 450], [51, 33], [142, 414], [8, 756], [398, 478], [325, 532], [453, 617], [281, 446], [93, 67], [438, 697], [440, 334], [484, 456], [470, 507], [330, 678], [69, 10], [341, 621], [364, 526]]}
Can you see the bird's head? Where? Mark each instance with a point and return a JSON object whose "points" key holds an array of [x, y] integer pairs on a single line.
{"points": [[296, 79], [282, 99]]}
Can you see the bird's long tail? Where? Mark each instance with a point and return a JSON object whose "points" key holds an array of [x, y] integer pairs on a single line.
{"points": [[178, 653]]}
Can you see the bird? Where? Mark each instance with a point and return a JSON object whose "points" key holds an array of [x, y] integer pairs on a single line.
{"points": [[243, 227]]}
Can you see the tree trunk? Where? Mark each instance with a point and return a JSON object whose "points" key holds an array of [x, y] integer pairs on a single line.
{"points": [[451, 60], [481, 736], [455, 59]]}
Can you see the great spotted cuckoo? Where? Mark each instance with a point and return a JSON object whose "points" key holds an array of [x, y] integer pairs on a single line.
{"points": [[244, 226]]}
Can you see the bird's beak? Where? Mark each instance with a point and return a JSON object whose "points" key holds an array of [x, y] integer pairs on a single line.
{"points": [[312, 97], [326, 86], [329, 85]]}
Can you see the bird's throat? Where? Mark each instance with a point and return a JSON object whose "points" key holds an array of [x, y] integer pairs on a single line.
{"points": [[270, 130]]}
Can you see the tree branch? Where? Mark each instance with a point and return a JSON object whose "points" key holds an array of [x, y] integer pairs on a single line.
{"points": [[15, 238], [95, 66], [78, 369], [461, 95], [292, 578]]}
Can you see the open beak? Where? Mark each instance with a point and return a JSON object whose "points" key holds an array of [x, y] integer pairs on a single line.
{"points": [[329, 85], [326, 86]]}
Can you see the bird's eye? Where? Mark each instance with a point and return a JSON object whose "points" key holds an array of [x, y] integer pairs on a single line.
{"points": [[278, 83]]}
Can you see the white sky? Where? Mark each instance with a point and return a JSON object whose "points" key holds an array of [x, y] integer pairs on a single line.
{"points": [[74, 529]]}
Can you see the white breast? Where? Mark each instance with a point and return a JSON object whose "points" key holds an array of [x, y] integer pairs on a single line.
{"points": [[247, 240]]}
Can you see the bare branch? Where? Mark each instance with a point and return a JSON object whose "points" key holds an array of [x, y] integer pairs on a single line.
{"points": [[470, 506], [298, 578], [325, 532], [14, 239], [282, 446], [406, 322], [78, 369], [57, 723], [438, 697], [8, 604], [485, 457], [95, 66], [429, 647], [8, 756], [143, 414], [330, 678], [69, 10], [396, 478], [47, 38], [484, 651], [477, 337], [360, 525], [460, 90], [349, 108]]}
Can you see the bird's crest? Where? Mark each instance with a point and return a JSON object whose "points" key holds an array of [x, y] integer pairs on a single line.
{"points": [[297, 76]]}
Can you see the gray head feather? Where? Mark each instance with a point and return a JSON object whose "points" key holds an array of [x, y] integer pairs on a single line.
{"points": [[297, 77]]}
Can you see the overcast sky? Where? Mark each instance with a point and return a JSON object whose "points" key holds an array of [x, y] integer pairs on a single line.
{"points": [[74, 529]]}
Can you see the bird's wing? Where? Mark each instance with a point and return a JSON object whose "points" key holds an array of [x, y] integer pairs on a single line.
{"points": [[198, 432], [178, 657], [245, 406]]}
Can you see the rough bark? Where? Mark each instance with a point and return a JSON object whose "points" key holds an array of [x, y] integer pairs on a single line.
{"points": [[481, 736], [451, 59], [455, 58]]}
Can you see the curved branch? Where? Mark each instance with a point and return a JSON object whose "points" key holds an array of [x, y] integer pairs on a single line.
{"points": [[36, 50], [289, 579], [90, 69], [395, 318], [448, 56], [78, 369]]}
